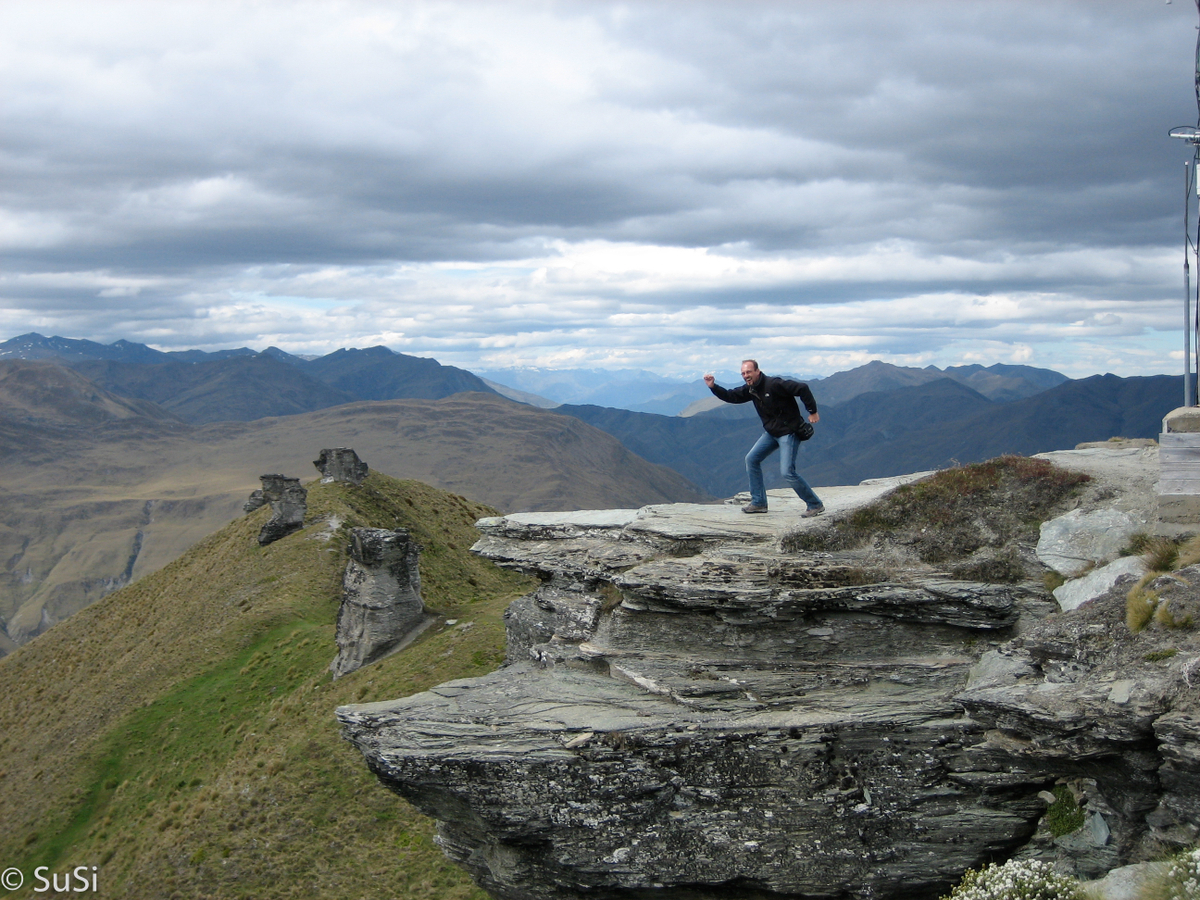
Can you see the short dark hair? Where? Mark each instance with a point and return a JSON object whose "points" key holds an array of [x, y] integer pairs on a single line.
{"points": [[753, 362]]}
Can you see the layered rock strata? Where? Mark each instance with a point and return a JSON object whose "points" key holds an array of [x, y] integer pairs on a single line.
{"points": [[381, 598], [688, 712]]}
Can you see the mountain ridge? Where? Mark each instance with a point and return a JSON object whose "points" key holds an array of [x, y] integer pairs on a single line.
{"points": [[242, 385], [378, 373], [178, 734]]}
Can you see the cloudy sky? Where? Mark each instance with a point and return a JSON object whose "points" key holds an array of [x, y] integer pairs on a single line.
{"points": [[653, 185]]}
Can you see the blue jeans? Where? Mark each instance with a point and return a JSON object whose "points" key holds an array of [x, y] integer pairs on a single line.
{"points": [[788, 447]]}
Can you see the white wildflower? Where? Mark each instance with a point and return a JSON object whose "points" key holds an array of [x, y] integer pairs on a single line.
{"points": [[1016, 880], [1182, 880]]}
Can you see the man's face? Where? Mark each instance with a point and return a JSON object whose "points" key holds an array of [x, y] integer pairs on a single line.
{"points": [[749, 373]]}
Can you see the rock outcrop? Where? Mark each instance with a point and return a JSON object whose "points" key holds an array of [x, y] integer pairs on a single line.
{"points": [[381, 598], [289, 502], [1073, 543], [341, 464], [690, 712]]}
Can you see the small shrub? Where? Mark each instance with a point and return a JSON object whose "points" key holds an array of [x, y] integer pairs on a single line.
{"points": [[1003, 568], [610, 597], [1178, 880], [1063, 815], [1016, 880]]}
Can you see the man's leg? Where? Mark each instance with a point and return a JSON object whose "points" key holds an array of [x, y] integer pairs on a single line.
{"points": [[765, 446], [789, 448]]}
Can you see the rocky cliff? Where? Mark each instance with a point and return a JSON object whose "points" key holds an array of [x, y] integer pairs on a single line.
{"points": [[690, 710]]}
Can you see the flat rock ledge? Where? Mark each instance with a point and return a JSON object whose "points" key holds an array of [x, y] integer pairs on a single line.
{"points": [[688, 712]]}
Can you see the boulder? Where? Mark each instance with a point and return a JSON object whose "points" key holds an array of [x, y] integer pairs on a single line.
{"points": [[1123, 883], [1072, 543], [340, 464], [289, 502], [381, 598], [1098, 582], [255, 501]]}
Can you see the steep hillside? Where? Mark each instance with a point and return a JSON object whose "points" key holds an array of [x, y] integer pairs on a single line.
{"points": [[379, 374], [179, 734], [46, 394], [87, 509], [707, 450], [1090, 409]]}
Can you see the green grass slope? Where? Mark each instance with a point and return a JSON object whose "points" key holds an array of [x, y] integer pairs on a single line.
{"points": [[179, 734]]}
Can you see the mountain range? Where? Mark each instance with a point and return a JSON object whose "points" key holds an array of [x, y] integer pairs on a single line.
{"points": [[118, 457], [931, 425], [241, 385]]}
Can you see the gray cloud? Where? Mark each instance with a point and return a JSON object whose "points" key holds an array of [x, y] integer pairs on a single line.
{"points": [[601, 184]]}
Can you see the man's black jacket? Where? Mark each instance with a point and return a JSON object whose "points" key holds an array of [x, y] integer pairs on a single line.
{"points": [[774, 400]]}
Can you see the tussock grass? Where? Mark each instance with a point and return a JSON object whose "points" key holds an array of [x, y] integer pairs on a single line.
{"points": [[1189, 553], [1168, 615], [1140, 604], [1161, 554], [1145, 603], [179, 733]]}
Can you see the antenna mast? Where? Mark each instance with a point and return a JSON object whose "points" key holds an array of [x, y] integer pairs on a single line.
{"points": [[1191, 134]]}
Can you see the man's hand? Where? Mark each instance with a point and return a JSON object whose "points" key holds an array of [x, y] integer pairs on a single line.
{"points": [[709, 379], [814, 418]]}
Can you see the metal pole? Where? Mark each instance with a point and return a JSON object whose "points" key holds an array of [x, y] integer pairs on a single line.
{"points": [[1195, 324], [1187, 292]]}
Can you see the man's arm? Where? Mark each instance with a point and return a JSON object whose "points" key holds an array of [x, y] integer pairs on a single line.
{"points": [[801, 390], [737, 395]]}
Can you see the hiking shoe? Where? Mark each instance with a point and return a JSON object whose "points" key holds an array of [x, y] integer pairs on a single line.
{"points": [[753, 508], [812, 511]]}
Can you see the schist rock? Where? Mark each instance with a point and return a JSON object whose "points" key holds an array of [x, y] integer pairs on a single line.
{"points": [[289, 502], [689, 711], [341, 464], [381, 597]]}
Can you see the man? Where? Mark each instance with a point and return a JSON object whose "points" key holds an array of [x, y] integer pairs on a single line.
{"points": [[775, 401]]}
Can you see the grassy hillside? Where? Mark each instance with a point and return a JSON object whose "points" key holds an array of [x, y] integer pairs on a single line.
{"points": [[179, 734]]}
